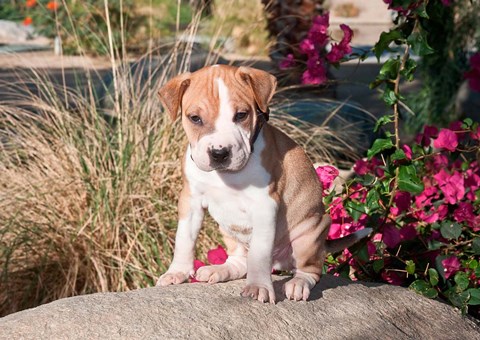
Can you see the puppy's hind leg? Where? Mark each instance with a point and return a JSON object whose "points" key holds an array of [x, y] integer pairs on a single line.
{"points": [[233, 269]]}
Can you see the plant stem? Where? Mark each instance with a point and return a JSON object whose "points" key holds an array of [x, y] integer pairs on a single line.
{"points": [[396, 119]]}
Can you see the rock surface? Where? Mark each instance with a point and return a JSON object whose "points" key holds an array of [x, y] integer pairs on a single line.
{"points": [[338, 310]]}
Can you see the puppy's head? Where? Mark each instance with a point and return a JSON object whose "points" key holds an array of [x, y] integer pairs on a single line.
{"points": [[218, 106]]}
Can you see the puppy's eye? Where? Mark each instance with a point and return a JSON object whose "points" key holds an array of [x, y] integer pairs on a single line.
{"points": [[240, 116], [195, 119]]}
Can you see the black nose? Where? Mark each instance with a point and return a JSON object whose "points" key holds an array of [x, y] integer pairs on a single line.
{"points": [[220, 155]]}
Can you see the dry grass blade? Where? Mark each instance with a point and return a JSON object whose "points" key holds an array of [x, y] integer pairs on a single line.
{"points": [[88, 195]]}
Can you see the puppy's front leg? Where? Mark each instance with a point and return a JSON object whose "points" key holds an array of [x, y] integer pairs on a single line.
{"points": [[191, 214], [259, 260]]}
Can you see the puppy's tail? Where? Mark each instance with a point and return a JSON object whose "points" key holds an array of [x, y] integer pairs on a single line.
{"points": [[334, 246]]}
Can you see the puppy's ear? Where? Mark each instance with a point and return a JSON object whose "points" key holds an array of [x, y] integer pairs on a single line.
{"points": [[172, 92], [263, 85]]}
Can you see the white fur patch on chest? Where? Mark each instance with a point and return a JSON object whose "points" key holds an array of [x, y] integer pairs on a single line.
{"points": [[234, 199]]}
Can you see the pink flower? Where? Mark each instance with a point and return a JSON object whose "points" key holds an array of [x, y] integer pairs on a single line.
{"points": [[327, 175], [447, 139], [402, 201], [446, 2], [391, 236], [361, 167], [288, 62], [473, 75], [408, 151], [464, 212], [394, 278], [318, 32], [424, 139], [307, 47], [339, 50], [316, 72], [217, 256], [476, 134], [408, 232], [196, 264], [425, 198], [451, 265], [452, 186]]}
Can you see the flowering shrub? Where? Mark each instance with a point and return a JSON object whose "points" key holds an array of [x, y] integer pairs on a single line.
{"points": [[427, 229], [82, 25], [314, 46]]}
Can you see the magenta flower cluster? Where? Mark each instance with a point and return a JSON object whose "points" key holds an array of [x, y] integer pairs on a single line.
{"points": [[451, 196], [314, 47]]}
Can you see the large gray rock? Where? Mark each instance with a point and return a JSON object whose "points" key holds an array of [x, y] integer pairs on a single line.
{"points": [[338, 310]]}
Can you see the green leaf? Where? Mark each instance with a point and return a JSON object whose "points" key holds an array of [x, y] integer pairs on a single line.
{"points": [[421, 11], [424, 289], [474, 296], [367, 180], [378, 146], [389, 96], [362, 254], [389, 69], [409, 69], [467, 122], [418, 42], [355, 209], [477, 271], [408, 179], [410, 267], [373, 199], [398, 155], [462, 281], [450, 230], [382, 121], [433, 276], [385, 40], [459, 299], [378, 265], [476, 246], [472, 264]]}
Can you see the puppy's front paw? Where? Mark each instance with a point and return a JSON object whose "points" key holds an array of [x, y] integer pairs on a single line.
{"points": [[259, 292], [298, 288], [172, 278], [213, 274]]}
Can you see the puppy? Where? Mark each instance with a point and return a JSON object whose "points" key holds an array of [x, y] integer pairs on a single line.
{"points": [[258, 185]]}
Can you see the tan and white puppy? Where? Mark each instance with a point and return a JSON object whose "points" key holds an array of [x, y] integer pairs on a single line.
{"points": [[256, 183]]}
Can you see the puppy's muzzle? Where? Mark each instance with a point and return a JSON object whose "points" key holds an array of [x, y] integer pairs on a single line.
{"points": [[220, 158]]}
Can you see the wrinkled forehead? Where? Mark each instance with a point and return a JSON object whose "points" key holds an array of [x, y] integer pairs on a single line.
{"points": [[208, 85]]}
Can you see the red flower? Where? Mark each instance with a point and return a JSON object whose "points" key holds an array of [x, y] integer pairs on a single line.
{"points": [[464, 212], [196, 264], [424, 138], [327, 175], [339, 50], [402, 201], [452, 186], [450, 265], [318, 32], [217, 256], [27, 21], [30, 3], [391, 236], [447, 139], [288, 62], [473, 75], [316, 72], [52, 5]]}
